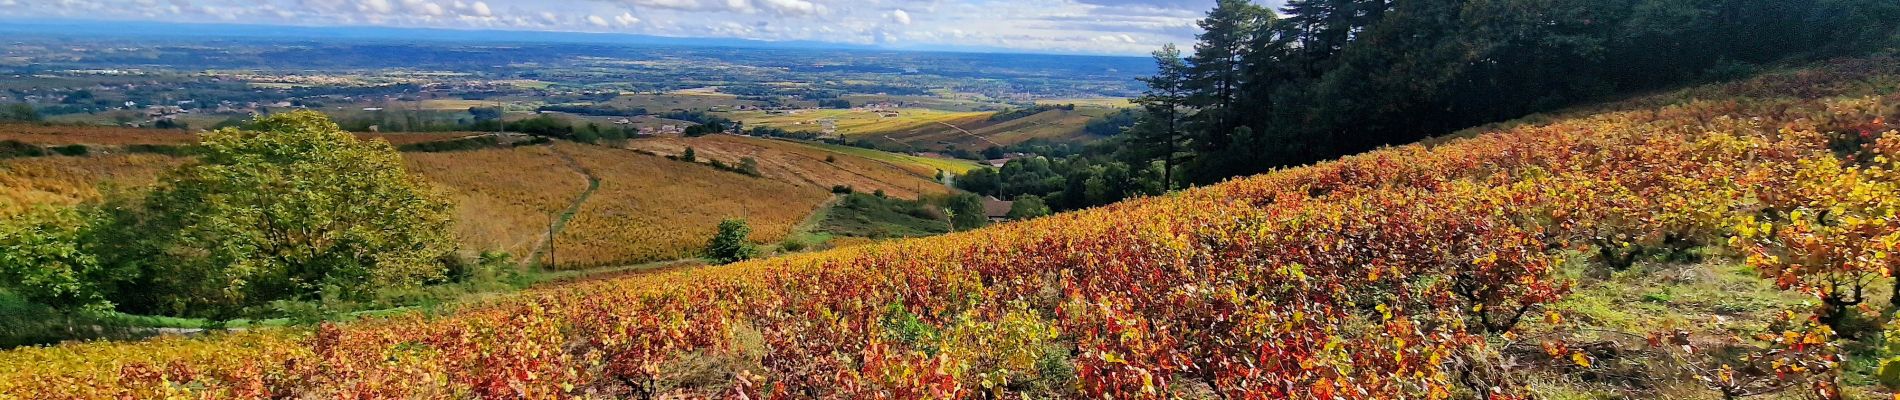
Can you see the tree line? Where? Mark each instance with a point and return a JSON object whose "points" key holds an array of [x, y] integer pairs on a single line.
{"points": [[1324, 78]]}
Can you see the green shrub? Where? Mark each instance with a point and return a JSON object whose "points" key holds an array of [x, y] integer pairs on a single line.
{"points": [[730, 244], [72, 150], [15, 148], [165, 149]]}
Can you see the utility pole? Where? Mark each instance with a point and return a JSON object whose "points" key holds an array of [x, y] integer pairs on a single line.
{"points": [[551, 259]]}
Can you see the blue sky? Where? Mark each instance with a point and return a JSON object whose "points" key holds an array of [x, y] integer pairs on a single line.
{"points": [[1125, 27]]}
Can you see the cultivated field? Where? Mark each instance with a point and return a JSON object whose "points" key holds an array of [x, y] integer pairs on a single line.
{"points": [[57, 180], [649, 208], [503, 197], [804, 165], [853, 122], [916, 164], [658, 103], [976, 134]]}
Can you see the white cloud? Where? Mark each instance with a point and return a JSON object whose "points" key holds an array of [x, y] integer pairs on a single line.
{"points": [[790, 7], [1130, 27], [376, 6]]}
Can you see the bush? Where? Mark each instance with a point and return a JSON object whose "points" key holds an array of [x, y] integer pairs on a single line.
{"points": [[73, 150], [730, 244], [463, 144], [840, 189], [164, 149], [15, 148]]}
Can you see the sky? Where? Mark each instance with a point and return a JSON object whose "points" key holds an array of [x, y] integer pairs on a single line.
{"points": [[1116, 27]]}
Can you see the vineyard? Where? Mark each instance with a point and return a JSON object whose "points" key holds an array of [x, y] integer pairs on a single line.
{"points": [[805, 165], [503, 197], [650, 208], [1408, 272], [26, 182]]}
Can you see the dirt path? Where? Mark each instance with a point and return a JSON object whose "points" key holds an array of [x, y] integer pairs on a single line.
{"points": [[543, 245], [992, 142]]}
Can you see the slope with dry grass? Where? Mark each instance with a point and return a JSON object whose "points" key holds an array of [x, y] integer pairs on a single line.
{"points": [[804, 165]]}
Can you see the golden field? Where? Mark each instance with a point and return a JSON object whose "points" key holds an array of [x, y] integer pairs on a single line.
{"points": [[503, 197], [26, 182], [804, 165], [649, 208]]}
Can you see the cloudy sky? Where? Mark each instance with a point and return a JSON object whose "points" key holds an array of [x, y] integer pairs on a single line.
{"points": [[1065, 26]]}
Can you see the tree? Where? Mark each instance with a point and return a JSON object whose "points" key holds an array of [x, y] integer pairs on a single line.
{"points": [[965, 209], [1028, 206], [1214, 76], [1159, 133], [749, 166], [291, 208], [688, 155], [45, 257], [731, 243], [20, 112]]}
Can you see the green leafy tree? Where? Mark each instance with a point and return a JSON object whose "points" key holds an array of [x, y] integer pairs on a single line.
{"points": [[730, 244], [19, 112], [966, 211], [45, 257], [1028, 206], [689, 155], [290, 208]]}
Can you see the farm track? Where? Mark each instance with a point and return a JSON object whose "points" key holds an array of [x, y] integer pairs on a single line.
{"points": [[543, 246], [979, 137]]}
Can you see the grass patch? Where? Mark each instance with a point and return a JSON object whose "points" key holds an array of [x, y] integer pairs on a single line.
{"points": [[871, 216]]}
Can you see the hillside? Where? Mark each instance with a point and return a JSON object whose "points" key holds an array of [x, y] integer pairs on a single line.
{"points": [[926, 128], [980, 133], [1474, 267], [647, 208], [807, 165]]}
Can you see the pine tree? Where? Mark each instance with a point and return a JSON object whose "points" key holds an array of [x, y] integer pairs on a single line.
{"points": [[1166, 97]]}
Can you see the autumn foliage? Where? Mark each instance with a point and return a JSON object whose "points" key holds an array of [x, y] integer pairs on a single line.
{"points": [[1386, 275]]}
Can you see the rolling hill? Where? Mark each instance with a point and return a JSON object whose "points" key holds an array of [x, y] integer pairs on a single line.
{"points": [[637, 208], [807, 165], [1461, 269]]}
